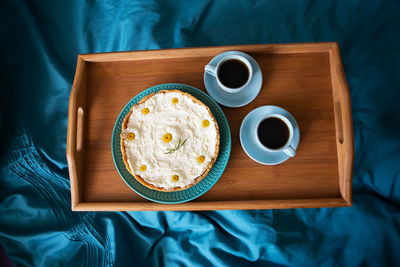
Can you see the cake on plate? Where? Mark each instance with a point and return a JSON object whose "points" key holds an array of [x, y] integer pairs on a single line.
{"points": [[169, 140]]}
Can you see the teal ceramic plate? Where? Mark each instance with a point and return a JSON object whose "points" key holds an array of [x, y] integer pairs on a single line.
{"points": [[196, 190]]}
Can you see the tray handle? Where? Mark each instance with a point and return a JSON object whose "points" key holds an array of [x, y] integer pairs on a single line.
{"points": [[339, 119], [75, 136], [343, 123], [79, 129]]}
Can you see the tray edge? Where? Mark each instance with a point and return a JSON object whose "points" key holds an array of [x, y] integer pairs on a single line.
{"points": [[185, 52], [343, 123], [75, 143], [213, 205]]}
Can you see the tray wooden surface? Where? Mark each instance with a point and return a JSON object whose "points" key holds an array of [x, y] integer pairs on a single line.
{"points": [[305, 79]]}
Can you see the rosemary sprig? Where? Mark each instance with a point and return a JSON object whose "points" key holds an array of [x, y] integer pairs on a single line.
{"points": [[177, 146]]}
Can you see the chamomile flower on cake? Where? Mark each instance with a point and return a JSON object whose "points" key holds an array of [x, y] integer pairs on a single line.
{"points": [[169, 140]]}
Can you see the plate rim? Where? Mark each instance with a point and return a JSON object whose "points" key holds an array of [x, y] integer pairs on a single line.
{"points": [[227, 153]]}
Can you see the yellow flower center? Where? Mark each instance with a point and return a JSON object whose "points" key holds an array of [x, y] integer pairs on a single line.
{"points": [[205, 123], [175, 100], [200, 159], [143, 168], [167, 137], [175, 178], [130, 136], [145, 111]]}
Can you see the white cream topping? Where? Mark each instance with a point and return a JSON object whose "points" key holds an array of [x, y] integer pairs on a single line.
{"points": [[182, 120]]}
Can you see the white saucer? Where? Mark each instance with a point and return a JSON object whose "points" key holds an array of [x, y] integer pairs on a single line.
{"points": [[234, 100], [248, 136]]}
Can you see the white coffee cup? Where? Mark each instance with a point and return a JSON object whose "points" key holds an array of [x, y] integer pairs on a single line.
{"points": [[214, 70], [287, 147]]}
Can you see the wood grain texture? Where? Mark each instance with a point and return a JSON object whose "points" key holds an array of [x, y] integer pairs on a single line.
{"points": [[305, 79]]}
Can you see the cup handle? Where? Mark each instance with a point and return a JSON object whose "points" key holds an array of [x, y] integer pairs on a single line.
{"points": [[290, 151], [211, 70]]}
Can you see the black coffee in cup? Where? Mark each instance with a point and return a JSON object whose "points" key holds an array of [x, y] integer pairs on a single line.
{"points": [[233, 73], [273, 133]]}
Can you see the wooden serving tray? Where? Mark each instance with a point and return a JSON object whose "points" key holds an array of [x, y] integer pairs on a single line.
{"points": [[305, 79]]}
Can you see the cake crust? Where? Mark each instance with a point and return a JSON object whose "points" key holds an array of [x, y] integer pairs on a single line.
{"points": [[138, 177]]}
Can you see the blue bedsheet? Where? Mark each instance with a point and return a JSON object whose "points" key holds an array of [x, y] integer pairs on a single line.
{"points": [[39, 44]]}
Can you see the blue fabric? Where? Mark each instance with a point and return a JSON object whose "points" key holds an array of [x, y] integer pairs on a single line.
{"points": [[39, 44]]}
